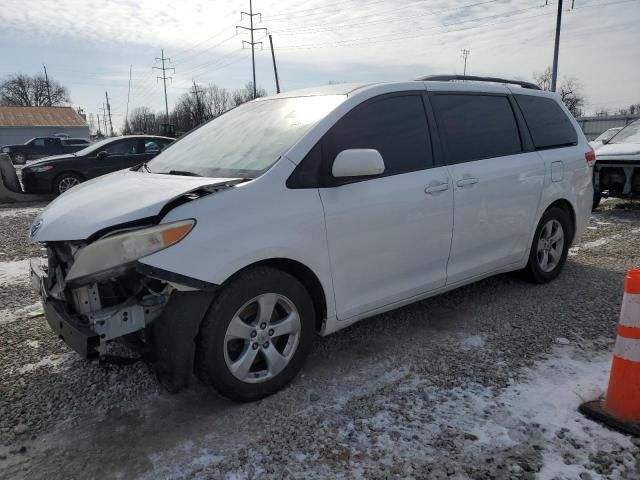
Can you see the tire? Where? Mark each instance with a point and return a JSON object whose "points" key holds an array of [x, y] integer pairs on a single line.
{"points": [[19, 159], [597, 197], [218, 351], [65, 181], [537, 271]]}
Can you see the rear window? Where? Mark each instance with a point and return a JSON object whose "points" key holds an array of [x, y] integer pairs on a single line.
{"points": [[548, 123], [474, 127]]}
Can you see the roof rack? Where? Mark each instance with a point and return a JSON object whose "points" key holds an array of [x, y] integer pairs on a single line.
{"points": [[449, 78]]}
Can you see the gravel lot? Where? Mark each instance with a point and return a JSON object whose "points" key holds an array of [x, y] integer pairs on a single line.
{"points": [[482, 382]]}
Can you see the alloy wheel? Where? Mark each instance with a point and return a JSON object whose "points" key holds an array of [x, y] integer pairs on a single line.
{"points": [[262, 338], [550, 245], [66, 183]]}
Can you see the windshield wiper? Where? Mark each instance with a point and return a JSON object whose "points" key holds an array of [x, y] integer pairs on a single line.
{"points": [[146, 167], [181, 172]]}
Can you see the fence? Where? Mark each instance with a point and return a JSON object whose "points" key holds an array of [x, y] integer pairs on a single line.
{"points": [[594, 126]]}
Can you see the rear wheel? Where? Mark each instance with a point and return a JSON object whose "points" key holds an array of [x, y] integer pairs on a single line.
{"points": [[256, 335], [550, 246], [66, 181], [19, 159]]}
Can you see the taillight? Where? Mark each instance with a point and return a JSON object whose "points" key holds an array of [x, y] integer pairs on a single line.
{"points": [[590, 157]]}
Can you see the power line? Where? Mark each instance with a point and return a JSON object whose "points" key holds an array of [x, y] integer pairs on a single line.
{"points": [[164, 79], [253, 43]]}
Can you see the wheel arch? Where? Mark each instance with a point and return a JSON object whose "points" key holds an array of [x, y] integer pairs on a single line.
{"points": [[565, 205], [304, 275]]}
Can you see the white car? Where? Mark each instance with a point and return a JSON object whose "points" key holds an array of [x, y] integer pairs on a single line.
{"points": [[604, 137], [306, 212], [617, 170]]}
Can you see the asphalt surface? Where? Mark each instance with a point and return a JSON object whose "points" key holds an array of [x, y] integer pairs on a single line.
{"points": [[481, 382]]}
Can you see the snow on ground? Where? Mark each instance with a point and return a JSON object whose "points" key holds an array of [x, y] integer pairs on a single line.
{"points": [[19, 212], [12, 315], [14, 272]]}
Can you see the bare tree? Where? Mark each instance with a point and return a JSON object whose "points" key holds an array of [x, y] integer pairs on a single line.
{"points": [[26, 91], [246, 94], [570, 90], [218, 101], [142, 120]]}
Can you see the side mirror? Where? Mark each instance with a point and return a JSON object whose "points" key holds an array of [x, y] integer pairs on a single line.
{"points": [[358, 162], [102, 155]]}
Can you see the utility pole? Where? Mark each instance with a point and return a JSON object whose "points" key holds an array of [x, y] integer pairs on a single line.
{"points": [[164, 80], [126, 115], [252, 42], [465, 55], [198, 107], [275, 69], [106, 95], [46, 79], [104, 118], [554, 74]]}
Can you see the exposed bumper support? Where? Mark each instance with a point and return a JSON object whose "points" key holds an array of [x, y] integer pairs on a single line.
{"points": [[79, 337], [174, 334]]}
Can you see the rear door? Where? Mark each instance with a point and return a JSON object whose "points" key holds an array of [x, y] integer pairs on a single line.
{"points": [[388, 236], [152, 147], [121, 154], [497, 181]]}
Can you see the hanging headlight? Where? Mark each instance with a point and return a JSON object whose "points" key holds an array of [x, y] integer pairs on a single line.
{"points": [[113, 254]]}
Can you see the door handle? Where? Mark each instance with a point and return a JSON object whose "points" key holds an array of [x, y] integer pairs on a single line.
{"points": [[467, 182], [436, 187]]}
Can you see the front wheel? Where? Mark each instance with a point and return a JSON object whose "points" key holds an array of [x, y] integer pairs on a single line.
{"points": [[550, 246], [256, 335], [64, 182]]}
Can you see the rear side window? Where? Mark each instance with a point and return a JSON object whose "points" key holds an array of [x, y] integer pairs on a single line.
{"points": [[395, 126], [548, 123], [474, 127]]}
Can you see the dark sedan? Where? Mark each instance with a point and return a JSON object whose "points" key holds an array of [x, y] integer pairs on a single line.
{"points": [[58, 174]]}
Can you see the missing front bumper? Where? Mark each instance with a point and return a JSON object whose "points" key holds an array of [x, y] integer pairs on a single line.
{"points": [[79, 337]]}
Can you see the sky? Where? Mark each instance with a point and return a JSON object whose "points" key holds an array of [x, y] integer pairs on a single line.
{"points": [[90, 46]]}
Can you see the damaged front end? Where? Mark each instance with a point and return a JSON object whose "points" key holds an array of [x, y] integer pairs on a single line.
{"points": [[94, 293]]}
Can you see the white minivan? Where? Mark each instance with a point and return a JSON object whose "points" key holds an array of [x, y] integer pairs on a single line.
{"points": [[305, 212]]}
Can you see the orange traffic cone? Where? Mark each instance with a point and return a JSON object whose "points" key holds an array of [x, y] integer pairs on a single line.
{"points": [[621, 407]]}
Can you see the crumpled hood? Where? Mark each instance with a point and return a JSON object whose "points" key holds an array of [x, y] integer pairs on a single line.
{"points": [[113, 199], [618, 150]]}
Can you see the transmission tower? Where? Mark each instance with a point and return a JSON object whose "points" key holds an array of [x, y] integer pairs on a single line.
{"points": [[164, 79], [252, 43]]}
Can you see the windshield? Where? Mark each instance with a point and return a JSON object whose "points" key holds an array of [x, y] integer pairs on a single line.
{"points": [[247, 140], [94, 147], [629, 134], [608, 134]]}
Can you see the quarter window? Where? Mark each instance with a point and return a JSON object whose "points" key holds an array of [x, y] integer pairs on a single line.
{"points": [[548, 123], [474, 127], [395, 126]]}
